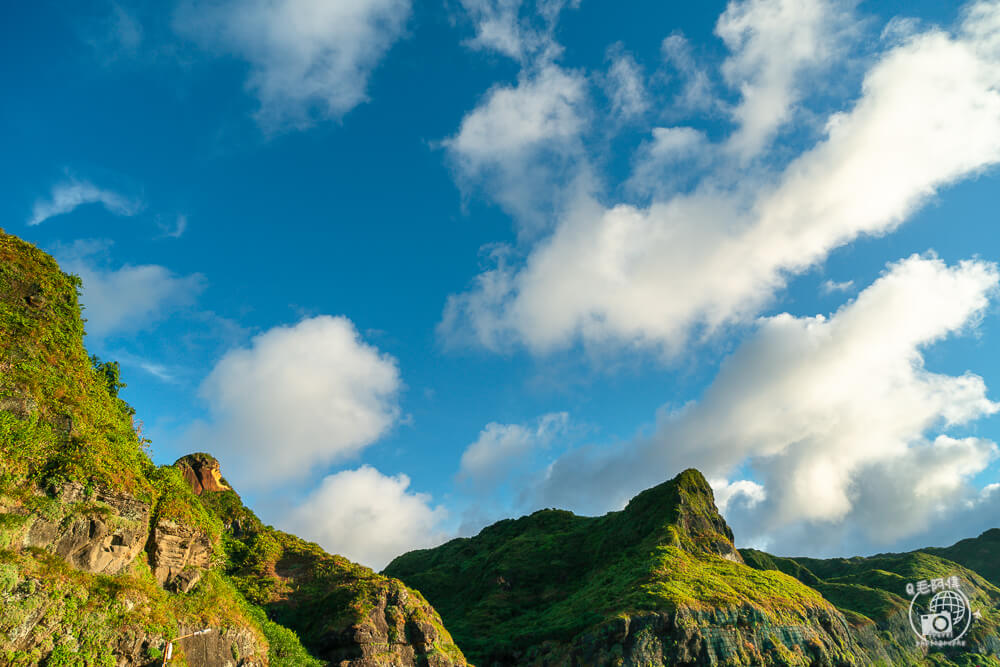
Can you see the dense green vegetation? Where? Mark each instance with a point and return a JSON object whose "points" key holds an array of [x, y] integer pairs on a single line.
{"points": [[981, 554], [61, 421], [316, 594], [73, 425], [552, 575], [874, 589]]}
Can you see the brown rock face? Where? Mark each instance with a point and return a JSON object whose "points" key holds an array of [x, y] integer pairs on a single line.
{"points": [[174, 549], [202, 473], [102, 533]]}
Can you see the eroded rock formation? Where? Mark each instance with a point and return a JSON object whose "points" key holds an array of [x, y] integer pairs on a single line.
{"points": [[177, 553], [100, 532]]}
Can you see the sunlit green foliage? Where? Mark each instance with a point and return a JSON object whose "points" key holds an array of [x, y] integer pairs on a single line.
{"points": [[553, 575]]}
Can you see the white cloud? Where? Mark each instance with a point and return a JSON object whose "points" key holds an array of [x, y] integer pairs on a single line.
{"points": [[501, 448], [68, 195], [308, 59], [773, 44], [521, 140], [300, 397], [696, 85], [368, 517], [836, 417], [511, 28], [671, 150], [127, 299], [744, 491], [830, 286], [173, 230], [928, 116], [625, 86]]}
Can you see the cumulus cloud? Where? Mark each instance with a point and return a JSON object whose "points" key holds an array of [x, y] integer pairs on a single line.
{"points": [[68, 195], [501, 448], [744, 491], [520, 141], [299, 397], [309, 59], [928, 116], [839, 420], [129, 298], [773, 43], [368, 517]]}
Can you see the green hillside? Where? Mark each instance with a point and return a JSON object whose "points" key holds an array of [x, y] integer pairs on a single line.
{"points": [[981, 554], [104, 556], [529, 591], [875, 589]]}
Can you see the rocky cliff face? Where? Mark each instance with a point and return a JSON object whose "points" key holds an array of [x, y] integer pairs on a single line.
{"points": [[102, 532], [178, 554], [734, 636]]}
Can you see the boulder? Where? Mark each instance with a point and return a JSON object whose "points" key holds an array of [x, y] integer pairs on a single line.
{"points": [[202, 473]]}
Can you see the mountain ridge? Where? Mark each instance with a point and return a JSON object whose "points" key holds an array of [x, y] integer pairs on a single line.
{"points": [[672, 589], [685, 598]]}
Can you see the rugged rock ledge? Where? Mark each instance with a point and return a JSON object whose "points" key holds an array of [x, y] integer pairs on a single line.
{"points": [[101, 532]]}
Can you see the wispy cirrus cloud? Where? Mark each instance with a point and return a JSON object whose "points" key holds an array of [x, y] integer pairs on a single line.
{"points": [[68, 195]]}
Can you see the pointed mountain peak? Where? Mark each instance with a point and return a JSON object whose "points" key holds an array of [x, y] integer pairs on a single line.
{"points": [[685, 507]]}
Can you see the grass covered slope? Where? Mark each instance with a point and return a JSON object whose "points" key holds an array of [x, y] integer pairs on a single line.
{"points": [[554, 577], [874, 589], [981, 554], [341, 610], [59, 418]]}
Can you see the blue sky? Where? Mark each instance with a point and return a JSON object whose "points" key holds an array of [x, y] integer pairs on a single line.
{"points": [[409, 268]]}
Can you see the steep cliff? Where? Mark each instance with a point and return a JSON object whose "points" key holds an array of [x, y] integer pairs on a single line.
{"points": [[659, 583], [105, 557]]}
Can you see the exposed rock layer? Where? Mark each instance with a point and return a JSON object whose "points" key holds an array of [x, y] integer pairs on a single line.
{"points": [[101, 532], [176, 549]]}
